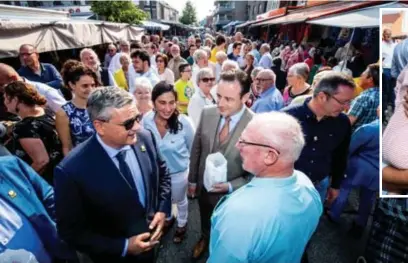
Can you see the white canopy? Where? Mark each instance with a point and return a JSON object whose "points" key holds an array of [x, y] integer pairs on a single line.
{"points": [[362, 18]]}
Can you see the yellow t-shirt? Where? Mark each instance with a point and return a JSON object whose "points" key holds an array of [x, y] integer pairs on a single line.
{"points": [[358, 89], [185, 90]]}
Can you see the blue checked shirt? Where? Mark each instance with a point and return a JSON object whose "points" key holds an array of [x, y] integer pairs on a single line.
{"points": [[364, 107]]}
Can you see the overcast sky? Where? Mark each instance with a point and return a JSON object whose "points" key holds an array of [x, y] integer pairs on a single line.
{"points": [[202, 6]]}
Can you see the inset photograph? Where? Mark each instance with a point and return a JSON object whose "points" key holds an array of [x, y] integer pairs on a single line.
{"points": [[394, 57]]}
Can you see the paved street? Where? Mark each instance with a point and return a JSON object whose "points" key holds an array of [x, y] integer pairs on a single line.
{"points": [[331, 243]]}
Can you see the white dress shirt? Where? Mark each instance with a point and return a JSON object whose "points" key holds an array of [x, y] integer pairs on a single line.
{"points": [[387, 53], [196, 105], [54, 98]]}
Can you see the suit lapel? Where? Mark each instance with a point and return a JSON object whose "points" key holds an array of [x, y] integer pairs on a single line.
{"points": [[236, 133], [214, 120], [143, 159]]}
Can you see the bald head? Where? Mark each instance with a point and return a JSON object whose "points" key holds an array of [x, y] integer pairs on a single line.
{"points": [[387, 34], [7, 74], [238, 36]]}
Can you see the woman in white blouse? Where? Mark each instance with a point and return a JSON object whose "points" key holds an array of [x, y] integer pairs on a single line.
{"points": [[202, 96], [165, 74]]}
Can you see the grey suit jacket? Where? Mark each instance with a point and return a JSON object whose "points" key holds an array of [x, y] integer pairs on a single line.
{"points": [[203, 145]]}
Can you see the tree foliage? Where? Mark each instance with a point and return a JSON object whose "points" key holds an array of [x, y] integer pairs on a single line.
{"points": [[119, 11], [189, 14]]}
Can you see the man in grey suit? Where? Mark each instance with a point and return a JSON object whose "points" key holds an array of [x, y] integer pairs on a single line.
{"points": [[218, 131]]}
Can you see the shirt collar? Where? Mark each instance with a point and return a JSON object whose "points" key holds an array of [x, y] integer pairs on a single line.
{"points": [[267, 92], [237, 116], [273, 181], [112, 152], [308, 111]]}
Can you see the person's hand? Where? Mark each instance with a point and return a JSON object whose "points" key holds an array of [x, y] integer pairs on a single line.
{"points": [[157, 223], [140, 243], [220, 188], [192, 190], [332, 194], [405, 103]]}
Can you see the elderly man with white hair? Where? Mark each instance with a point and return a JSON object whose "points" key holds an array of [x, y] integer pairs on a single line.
{"points": [[200, 61], [266, 59], [90, 59], [277, 201], [270, 98], [220, 56], [115, 65], [176, 61]]}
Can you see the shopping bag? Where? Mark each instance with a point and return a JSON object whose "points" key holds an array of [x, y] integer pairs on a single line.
{"points": [[215, 170]]}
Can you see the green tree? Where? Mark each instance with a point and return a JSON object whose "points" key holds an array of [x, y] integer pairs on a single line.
{"points": [[189, 15], [119, 11]]}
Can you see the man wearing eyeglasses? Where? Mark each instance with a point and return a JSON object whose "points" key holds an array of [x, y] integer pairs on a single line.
{"points": [[327, 133], [109, 55], [113, 191], [270, 98], [218, 131], [33, 70], [277, 201]]}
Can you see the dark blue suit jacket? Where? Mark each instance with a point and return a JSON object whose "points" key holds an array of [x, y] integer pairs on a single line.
{"points": [[96, 210]]}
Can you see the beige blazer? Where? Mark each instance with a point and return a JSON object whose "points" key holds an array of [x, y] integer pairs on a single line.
{"points": [[203, 145]]}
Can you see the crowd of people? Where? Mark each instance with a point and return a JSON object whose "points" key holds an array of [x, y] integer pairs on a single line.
{"points": [[99, 152]]}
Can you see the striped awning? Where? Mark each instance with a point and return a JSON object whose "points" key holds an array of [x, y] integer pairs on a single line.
{"points": [[150, 25]]}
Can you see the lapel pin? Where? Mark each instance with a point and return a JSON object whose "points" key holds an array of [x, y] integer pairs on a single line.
{"points": [[12, 194], [143, 148]]}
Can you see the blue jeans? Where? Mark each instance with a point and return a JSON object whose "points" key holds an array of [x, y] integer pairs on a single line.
{"points": [[322, 188]]}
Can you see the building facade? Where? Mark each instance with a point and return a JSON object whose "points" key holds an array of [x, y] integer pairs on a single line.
{"points": [[159, 10], [257, 7], [227, 11]]}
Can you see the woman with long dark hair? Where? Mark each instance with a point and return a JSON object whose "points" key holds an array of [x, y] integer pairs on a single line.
{"points": [[174, 134]]}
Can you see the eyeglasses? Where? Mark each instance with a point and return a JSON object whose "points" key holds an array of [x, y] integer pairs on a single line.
{"points": [[206, 80], [128, 124], [26, 54], [259, 79], [241, 141], [343, 103], [111, 50], [159, 61]]}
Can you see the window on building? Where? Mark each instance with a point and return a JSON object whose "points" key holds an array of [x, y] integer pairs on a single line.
{"points": [[253, 10], [17, 3], [57, 3], [5, 2]]}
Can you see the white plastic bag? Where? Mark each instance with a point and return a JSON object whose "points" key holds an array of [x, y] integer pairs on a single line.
{"points": [[215, 170]]}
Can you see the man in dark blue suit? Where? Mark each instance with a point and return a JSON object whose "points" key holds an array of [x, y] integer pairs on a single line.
{"points": [[113, 190]]}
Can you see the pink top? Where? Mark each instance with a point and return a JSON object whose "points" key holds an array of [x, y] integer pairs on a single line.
{"points": [[395, 142]]}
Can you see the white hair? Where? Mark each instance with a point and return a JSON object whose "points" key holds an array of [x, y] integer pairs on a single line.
{"points": [[123, 56], [300, 69], [229, 65], [204, 72], [141, 83], [92, 52], [255, 71], [266, 47], [175, 40], [268, 72], [208, 50], [199, 54], [221, 55], [281, 131]]}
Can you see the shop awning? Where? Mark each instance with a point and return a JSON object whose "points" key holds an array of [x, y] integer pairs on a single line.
{"points": [[49, 34], [363, 18], [308, 13], [247, 23], [154, 26]]}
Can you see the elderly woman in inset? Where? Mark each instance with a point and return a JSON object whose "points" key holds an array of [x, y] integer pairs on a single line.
{"points": [[90, 59], [297, 85], [121, 76], [203, 95], [143, 95]]}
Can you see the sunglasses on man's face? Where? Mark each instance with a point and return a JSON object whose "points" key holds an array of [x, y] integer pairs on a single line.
{"points": [[128, 124], [206, 80]]}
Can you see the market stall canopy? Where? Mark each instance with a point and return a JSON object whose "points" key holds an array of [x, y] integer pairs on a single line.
{"points": [[232, 23], [49, 34], [308, 13], [362, 18], [150, 25]]}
